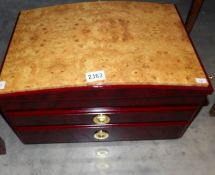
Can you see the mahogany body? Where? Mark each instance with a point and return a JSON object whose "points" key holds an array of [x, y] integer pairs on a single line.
{"points": [[136, 112]]}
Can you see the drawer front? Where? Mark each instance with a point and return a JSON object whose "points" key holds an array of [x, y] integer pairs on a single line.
{"points": [[43, 104], [101, 116], [92, 133]]}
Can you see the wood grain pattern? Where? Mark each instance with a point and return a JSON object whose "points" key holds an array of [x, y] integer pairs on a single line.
{"points": [[133, 42]]}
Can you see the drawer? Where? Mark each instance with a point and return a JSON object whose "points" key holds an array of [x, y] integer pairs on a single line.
{"points": [[101, 116], [114, 132], [61, 103]]}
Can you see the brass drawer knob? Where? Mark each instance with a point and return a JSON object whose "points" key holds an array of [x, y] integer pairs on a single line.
{"points": [[101, 135], [101, 119]]}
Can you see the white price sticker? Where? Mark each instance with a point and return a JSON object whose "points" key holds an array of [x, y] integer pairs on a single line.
{"points": [[201, 80], [95, 76], [2, 84]]}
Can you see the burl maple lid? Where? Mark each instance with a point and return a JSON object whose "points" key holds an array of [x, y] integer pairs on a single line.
{"points": [[128, 42]]}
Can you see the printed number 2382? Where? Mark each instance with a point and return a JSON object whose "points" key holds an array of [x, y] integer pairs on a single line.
{"points": [[95, 76]]}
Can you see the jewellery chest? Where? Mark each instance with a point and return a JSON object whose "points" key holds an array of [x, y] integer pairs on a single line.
{"points": [[101, 71]]}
